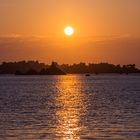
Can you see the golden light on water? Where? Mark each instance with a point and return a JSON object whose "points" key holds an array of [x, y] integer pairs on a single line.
{"points": [[71, 108]]}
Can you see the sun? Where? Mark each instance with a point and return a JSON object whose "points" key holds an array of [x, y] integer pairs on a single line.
{"points": [[69, 31]]}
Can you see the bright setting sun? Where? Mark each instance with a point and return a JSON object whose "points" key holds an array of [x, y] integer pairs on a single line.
{"points": [[69, 31]]}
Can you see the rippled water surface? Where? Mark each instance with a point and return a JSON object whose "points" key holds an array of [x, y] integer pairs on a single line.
{"points": [[72, 107]]}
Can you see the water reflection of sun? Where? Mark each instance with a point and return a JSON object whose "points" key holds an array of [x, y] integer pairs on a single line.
{"points": [[71, 107]]}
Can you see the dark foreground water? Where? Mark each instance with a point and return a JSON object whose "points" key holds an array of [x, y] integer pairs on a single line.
{"points": [[70, 107]]}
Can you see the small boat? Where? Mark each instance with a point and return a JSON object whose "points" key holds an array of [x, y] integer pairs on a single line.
{"points": [[87, 74]]}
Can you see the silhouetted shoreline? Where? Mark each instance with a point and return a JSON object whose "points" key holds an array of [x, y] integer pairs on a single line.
{"points": [[37, 68], [52, 70]]}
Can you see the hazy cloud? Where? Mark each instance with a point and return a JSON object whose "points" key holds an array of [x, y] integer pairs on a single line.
{"points": [[115, 49]]}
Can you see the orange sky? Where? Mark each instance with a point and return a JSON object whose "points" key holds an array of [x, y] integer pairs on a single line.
{"points": [[105, 30]]}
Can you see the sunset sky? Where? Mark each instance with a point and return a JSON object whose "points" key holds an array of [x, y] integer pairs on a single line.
{"points": [[104, 31]]}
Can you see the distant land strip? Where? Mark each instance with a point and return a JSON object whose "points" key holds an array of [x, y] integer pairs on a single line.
{"points": [[37, 68]]}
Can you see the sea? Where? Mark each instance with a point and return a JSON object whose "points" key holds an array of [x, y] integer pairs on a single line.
{"points": [[70, 107]]}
